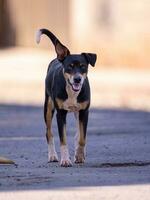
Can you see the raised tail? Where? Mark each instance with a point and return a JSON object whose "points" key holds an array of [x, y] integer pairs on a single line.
{"points": [[61, 50], [49, 34]]}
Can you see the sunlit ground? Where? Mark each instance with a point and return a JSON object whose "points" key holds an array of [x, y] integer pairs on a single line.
{"points": [[95, 193], [22, 75]]}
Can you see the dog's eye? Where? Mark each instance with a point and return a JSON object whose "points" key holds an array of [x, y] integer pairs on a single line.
{"points": [[70, 67], [83, 67]]}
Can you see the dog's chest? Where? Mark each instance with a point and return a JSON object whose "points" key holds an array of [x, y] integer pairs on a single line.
{"points": [[71, 104]]}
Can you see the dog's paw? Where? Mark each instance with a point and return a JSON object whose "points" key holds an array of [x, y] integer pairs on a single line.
{"points": [[52, 158], [52, 154], [79, 155], [66, 163], [65, 158], [79, 159]]}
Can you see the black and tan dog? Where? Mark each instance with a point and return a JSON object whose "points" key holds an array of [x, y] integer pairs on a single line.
{"points": [[67, 90]]}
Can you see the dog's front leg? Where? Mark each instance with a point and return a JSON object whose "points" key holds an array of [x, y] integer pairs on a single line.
{"points": [[61, 121], [80, 139]]}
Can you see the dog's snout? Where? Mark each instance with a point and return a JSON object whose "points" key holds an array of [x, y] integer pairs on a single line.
{"points": [[77, 79]]}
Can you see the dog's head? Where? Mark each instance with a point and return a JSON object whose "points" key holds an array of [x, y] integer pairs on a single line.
{"points": [[75, 66]]}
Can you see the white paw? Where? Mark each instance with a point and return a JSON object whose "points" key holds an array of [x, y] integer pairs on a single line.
{"points": [[52, 155], [65, 160], [79, 155], [52, 158], [66, 163]]}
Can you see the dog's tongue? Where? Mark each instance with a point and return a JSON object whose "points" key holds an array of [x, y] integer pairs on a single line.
{"points": [[76, 87]]}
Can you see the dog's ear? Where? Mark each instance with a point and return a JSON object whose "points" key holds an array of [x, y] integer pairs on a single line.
{"points": [[61, 51], [90, 58]]}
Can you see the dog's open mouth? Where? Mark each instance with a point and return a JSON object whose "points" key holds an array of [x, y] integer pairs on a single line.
{"points": [[76, 87]]}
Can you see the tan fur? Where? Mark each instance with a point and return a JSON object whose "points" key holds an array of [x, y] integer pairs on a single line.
{"points": [[71, 103], [84, 75], [52, 155], [49, 119], [64, 142], [81, 135], [79, 143], [84, 105], [67, 75]]}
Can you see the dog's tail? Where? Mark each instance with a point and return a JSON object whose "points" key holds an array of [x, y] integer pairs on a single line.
{"points": [[61, 50], [49, 34]]}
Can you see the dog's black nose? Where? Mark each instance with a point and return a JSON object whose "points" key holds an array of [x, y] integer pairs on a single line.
{"points": [[77, 79]]}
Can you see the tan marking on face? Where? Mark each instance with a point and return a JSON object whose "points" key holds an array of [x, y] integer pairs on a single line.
{"points": [[67, 76], [84, 75], [71, 77]]}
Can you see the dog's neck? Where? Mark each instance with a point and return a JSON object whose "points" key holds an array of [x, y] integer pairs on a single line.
{"points": [[72, 95], [70, 103]]}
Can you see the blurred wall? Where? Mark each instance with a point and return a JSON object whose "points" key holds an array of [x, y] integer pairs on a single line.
{"points": [[26, 16], [119, 31], [7, 31]]}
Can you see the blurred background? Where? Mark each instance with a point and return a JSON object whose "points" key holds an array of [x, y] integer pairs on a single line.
{"points": [[118, 31]]}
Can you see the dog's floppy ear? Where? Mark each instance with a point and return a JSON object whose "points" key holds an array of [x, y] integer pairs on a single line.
{"points": [[61, 51], [90, 58]]}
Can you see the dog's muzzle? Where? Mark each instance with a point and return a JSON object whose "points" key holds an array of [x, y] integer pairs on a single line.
{"points": [[76, 82]]}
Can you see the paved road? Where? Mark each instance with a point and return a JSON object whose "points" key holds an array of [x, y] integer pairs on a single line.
{"points": [[118, 150]]}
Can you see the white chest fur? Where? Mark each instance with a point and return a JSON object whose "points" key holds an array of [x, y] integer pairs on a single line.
{"points": [[70, 104]]}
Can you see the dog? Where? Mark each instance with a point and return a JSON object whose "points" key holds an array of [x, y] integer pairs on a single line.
{"points": [[66, 90]]}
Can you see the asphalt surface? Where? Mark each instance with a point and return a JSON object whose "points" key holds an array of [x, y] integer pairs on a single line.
{"points": [[118, 150]]}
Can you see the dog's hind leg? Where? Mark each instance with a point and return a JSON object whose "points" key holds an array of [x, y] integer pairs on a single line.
{"points": [[80, 138], [48, 115]]}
